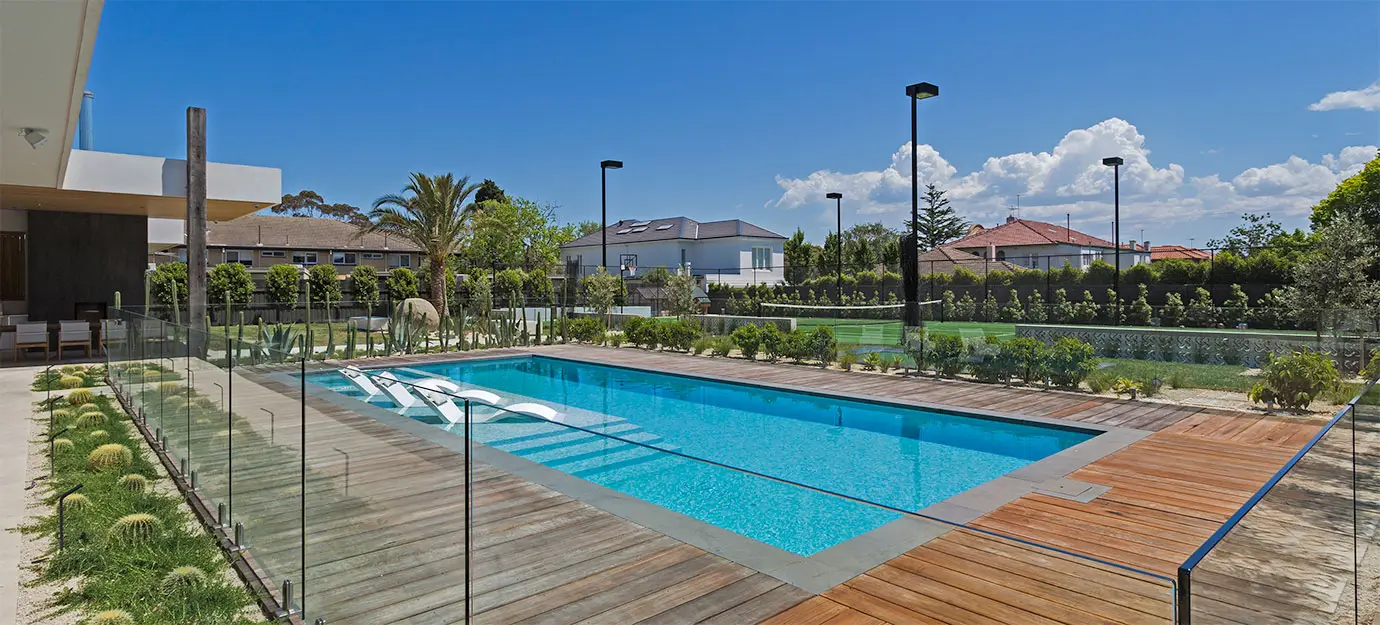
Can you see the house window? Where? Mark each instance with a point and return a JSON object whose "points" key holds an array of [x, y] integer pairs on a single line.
{"points": [[372, 255], [343, 258], [1001, 254], [399, 260], [243, 257], [271, 254], [761, 258], [304, 258]]}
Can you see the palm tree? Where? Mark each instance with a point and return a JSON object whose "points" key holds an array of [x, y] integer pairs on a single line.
{"points": [[432, 213]]}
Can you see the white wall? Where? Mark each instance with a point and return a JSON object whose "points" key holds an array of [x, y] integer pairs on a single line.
{"points": [[1053, 256], [149, 175], [727, 260]]}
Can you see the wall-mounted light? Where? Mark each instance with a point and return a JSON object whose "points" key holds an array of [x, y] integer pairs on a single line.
{"points": [[35, 136]]}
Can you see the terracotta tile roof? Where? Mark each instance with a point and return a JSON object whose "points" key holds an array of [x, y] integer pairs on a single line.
{"points": [[947, 259], [1166, 252], [1026, 232], [299, 233]]}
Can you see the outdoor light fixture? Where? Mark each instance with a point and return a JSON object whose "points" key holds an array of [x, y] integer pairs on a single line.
{"points": [[35, 136], [915, 92], [1115, 162], [838, 278], [604, 167]]}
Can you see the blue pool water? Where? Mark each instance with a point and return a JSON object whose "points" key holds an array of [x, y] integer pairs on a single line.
{"points": [[901, 457]]}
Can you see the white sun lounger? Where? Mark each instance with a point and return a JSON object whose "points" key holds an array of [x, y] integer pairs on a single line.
{"points": [[396, 391], [444, 403], [360, 380], [545, 413]]}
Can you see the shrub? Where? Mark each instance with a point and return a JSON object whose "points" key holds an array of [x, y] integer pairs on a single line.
{"points": [[965, 309], [639, 332], [987, 365], [183, 578], [281, 285], [109, 456], [947, 353], [139, 527], [1099, 383], [112, 617], [889, 363], [1127, 386], [614, 339], [1111, 311], [1295, 379], [990, 310], [71, 381], [586, 329], [1086, 310], [133, 482], [774, 343], [364, 281], [748, 338], [679, 335], [80, 396], [1200, 312], [1027, 356], [229, 282], [872, 362], [847, 360], [1372, 370], [168, 284], [702, 345], [1172, 315], [723, 345], [949, 309], [1012, 312], [1235, 309], [796, 345], [1035, 308], [324, 283], [1070, 361], [1061, 308], [1140, 312], [402, 284], [822, 345]]}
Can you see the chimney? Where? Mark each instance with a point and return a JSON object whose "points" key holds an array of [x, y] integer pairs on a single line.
{"points": [[1010, 219], [1145, 244], [85, 131], [992, 251], [1133, 245]]}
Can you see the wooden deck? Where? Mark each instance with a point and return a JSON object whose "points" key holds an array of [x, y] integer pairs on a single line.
{"points": [[391, 550]]}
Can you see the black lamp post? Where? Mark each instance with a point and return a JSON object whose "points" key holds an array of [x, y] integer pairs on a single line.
{"points": [[838, 278], [604, 167], [1115, 162], [915, 92]]}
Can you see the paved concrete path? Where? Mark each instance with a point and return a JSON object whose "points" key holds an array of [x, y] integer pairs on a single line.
{"points": [[16, 406]]}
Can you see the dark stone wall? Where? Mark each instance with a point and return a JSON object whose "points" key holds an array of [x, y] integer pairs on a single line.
{"points": [[84, 257]]}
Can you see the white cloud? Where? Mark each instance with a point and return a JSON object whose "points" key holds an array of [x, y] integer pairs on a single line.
{"points": [[1070, 179], [1367, 99]]}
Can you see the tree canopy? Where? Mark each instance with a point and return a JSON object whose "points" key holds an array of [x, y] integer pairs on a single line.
{"points": [[1358, 195], [308, 203], [433, 213], [520, 232], [938, 223]]}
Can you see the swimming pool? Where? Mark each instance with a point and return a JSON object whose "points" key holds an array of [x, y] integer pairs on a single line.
{"points": [[898, 456]]}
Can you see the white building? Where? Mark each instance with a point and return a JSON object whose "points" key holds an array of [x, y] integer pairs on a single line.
{"points": [[1039, 245], [732, 251]]}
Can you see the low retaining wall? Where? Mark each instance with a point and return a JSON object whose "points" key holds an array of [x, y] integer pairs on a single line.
{"points": [[1201, 346]]}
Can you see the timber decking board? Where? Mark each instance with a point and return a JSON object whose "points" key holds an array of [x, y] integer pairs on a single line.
{"points": [[392, 551]]}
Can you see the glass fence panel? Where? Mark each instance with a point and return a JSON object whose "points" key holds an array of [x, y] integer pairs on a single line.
{"points": [[208, 437], [1290, 558], [1366, 416], [265, 453]]}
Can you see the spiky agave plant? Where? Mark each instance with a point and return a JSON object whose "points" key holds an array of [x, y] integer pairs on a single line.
{"points": [[134, 528], [133, 482], [80, 396], [109, 456], [112, 617], [182, 578]]}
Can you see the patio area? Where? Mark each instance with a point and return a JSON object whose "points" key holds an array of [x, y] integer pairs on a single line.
{"points": [[385, 500]]}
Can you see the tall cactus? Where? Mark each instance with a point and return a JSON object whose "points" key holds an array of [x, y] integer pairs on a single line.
{"points": [[239, 339]]}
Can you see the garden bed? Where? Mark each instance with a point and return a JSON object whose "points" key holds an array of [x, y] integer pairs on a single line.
{"points": [[133, 553]]}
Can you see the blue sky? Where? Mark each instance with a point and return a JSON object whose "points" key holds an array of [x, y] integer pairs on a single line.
{"points": [[755, 110]]}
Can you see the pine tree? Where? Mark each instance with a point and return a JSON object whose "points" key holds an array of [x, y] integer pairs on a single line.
{"points": [[938, 224]]}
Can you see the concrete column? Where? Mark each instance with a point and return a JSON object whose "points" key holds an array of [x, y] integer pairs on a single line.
{"points": [[196, 218]]}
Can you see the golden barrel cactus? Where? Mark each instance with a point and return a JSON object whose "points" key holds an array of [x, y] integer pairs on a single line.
{"points": [[109, 456]]}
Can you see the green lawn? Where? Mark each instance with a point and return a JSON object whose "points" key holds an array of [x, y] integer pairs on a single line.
{"points": [[1179, 374]]}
